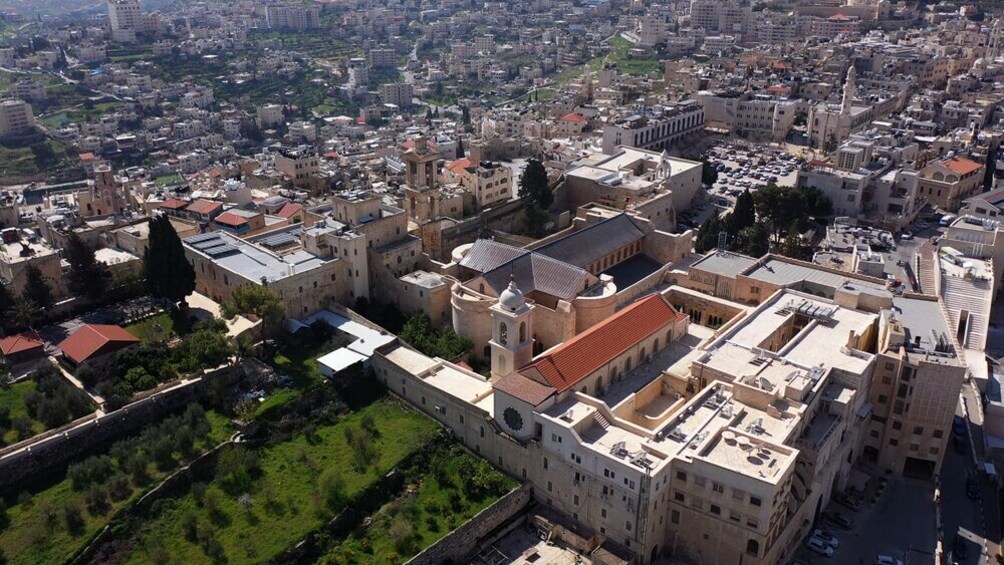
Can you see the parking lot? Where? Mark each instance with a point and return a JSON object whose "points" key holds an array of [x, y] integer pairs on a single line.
{"points": [[739, 169], [898, 522]]}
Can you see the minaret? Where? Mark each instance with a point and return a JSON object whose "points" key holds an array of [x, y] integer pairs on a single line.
{"points": [[850, 91], [512, 333], [993, 43]]}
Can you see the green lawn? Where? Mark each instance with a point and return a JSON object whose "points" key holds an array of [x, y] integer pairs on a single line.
{"points": [[286, 498], [171, 324], [13, 399], [78, 115], [37, 532], [437, 506], [165, 180], [620, 54], [299, 361]]}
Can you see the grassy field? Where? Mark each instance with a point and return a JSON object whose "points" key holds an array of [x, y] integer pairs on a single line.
{"points": [[165, 180], [172, 324], [436, 505], [287, 498], [299, 361], [620, 54], [12, 398], [78, 115], [38, 532]]}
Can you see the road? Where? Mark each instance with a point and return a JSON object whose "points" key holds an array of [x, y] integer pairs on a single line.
{"points": [[961, 514]]}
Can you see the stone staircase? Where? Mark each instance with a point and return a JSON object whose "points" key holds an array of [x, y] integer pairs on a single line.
{"points": [[600, 420], [973, 296]]}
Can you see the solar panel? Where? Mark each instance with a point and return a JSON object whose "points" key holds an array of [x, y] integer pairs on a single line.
{"points": [[278, 240], [221, 251], [200, 238], [208, 243]]}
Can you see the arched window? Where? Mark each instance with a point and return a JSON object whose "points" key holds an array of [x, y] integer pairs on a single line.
{"points": [[501, 364], [627, 365], [488, 352], [503, 333], [655, 345], [643, 357], [522, 332], [599, 385], [753, 547]]}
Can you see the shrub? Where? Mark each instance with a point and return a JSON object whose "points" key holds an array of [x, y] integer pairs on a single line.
{"points": [[331, 486], [73, 519], [190, 525], [235, 468]]}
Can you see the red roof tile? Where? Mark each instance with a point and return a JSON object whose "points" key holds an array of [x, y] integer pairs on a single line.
{"points": [[20, 342], [230, 219], [87, 157], [459, 165], [92, 339], [204, 207], [523, 388], [410, 144], [174, 204], [573, 117], [289, 210], [585, 353], [961, 165]]}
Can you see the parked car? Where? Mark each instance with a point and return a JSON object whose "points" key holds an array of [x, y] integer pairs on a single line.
{"points": [[907, 235], [826, 536], [887, 560], [838, 519], [820, 547], [960, 549]]}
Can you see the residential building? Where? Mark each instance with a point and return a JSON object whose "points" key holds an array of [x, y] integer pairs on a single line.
{"points": [[658, 127], [125, 15], [488, 182], [15, 117], [397, 93], [293, 17], [946, 183]]}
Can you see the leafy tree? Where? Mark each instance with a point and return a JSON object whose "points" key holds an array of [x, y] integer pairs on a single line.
{"points": [[708, 173], [792, 245], [168, 273], [418, 332], [535, 192], [261, 302], [204, 349], [36, 289], [743, 214], [460, 148], [87, 277], [754, 240], [707, 234], [6, 300], [25, 313]]}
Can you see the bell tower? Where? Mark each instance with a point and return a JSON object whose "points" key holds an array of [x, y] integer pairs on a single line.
{"points": [[512, 333]]}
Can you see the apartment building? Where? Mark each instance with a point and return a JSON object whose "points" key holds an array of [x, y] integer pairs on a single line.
{"points": [[759, 117], [657, 128], [487, 181], [15, 117], [734, 17], [293, 17], [125, 15], [948, 182], [397, 93], [20, 249], [299, 164], [381, 58]]}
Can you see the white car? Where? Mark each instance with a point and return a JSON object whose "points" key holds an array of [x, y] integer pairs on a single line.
{"points": [[827, 537], [887, 560], [821, 547]]}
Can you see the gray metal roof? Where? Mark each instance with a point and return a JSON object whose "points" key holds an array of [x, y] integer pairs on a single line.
{"points": [[783, 273], [535, 272], [725, 263], [488, 254], [923, 319], [582, 247]]}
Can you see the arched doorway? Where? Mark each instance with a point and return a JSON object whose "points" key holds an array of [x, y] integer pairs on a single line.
{"points": [[655, 553]]}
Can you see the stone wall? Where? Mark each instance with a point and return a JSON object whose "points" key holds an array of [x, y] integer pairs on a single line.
{"points": [[466, 539], [47, 456]]}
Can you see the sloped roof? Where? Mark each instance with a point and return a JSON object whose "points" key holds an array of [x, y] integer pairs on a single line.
{"points": [[961, 165], [536, 272], [289, 210], [20, 342], [573, 117], [204, 207], [487, 254], [564, 366], [582, 247], [459, 165], [90, 339], [524, 388], [231, 219], [174, 204]]}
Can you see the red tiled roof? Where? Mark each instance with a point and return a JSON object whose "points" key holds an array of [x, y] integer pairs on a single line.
{"points": [[524, 388], [288, 210], [777, 88], [20, 342], [174, 204], [87, 157], [961, 165], [231, 219], [573, 117], [585, 353], [204, 207], [91, 339], [410, 144], [459, 165]]}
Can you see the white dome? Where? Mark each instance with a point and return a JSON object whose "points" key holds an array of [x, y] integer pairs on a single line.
{"points": [[511, 298]]}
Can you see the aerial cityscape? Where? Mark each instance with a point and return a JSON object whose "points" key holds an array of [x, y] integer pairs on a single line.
{"points": [[572, 282]]}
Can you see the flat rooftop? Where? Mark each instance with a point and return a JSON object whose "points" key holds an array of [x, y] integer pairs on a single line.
{"points": [[924, 322], [445, 376], [250, 261], [784, 273], [725, 263]]}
